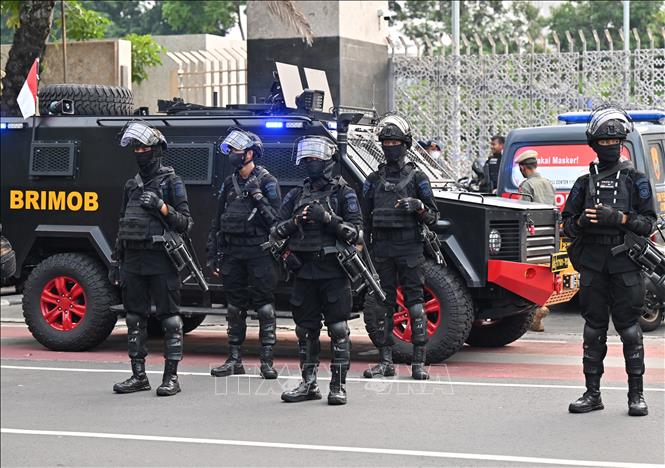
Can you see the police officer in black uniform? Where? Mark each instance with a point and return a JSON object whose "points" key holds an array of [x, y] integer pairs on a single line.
{"points": [[397, 201], [324, 211], [154, 198], [248, 203], [602, 205], [492, 166]]}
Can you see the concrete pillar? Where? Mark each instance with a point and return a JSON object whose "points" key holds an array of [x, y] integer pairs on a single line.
{"points": [[349, 45]]}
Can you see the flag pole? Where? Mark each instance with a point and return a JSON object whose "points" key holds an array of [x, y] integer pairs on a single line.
{"points": [[34, 116]]}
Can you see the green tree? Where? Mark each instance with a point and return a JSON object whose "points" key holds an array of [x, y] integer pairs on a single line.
{"points": [[29, 42], [199, 17], [429, 19], [82, 24], [145, 54], [600, 15]]}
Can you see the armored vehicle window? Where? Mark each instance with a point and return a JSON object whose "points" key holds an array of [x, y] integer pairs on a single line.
{"points": [[657, 162]]}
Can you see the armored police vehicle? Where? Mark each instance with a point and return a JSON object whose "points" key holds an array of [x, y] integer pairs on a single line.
{"points": [[62, 178], [564, 155]]}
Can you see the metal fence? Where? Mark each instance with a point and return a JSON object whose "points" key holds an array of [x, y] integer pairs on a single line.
{"points": [[215, 77], [463, 100]]}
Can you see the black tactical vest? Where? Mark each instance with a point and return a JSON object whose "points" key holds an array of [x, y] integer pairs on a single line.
{"points": [[388, 191], [611, 190], [241, 222], [137, 226], [314, 236]]}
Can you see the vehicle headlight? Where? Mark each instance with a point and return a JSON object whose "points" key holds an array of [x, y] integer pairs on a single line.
{"points": [[495, 242]]}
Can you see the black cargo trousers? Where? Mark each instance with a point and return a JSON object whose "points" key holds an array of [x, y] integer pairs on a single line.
{"points": [[617, 295], [249, 282], [147, 276], [397, 270]]}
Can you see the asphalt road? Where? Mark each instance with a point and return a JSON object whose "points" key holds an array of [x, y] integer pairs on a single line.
{"points": [[499, 407]]}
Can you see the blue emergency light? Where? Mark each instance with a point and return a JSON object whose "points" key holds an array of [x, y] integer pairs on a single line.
{"points": [[3, 125], [655, 116], [274, 124]]}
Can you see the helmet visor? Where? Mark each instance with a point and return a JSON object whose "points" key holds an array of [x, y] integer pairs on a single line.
{"points": [[395, 120], [603, 116], [236, 140], [140, 134], [314, 147]]}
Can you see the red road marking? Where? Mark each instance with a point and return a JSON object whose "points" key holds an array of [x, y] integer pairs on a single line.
{"points": [[204, 349]]}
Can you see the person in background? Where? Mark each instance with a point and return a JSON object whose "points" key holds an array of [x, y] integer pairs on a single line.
{"points": [[536, 189], [493, 164]]}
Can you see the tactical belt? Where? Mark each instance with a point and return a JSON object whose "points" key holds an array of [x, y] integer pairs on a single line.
{"points": [[602, 240], [396, 235], [142, 245], [245, 240]]}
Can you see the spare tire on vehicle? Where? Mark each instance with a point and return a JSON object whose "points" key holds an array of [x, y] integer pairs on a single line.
{"points": [[89, 99]]}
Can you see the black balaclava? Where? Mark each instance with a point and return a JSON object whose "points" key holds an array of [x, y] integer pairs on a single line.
{"points": [[608, 155], [319, 171], [149, 162], [395, 155], [238, 160]]}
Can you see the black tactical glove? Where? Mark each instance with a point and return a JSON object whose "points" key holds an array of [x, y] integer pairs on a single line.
{"points": [[315, 213], [150, 201], [253, 188], [114, 274], [584, 220], [608, 216], [410, 204], [215, 263]]}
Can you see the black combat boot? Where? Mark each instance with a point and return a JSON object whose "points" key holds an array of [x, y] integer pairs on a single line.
{"points": [[385, 366], [170, 385], [308, 351], [418, 370], [340, 347], [267, 369], [636, 404], [138, 382], [590, 400], [337, 393], [233, 364]]}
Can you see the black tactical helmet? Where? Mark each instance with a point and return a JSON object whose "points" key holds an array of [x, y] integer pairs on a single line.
{"points": [[608, 123], [137, 133], [394, 127], [242, 140]]}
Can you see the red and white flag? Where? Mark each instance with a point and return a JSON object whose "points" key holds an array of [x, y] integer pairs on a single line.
{"points": [[27, 98]]}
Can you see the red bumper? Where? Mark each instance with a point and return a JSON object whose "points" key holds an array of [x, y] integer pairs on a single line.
{"points": [[533, 282]]}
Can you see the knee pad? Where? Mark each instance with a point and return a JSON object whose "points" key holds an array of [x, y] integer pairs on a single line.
{"points": [[266, 313], [418, 324], [301, 333], [595, 349], [172, 325], [631, 335], [135, 321], [235, 313], [338, 331]]}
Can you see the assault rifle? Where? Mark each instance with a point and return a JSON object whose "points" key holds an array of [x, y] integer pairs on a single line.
{"points": [[652, 262], [361, 273]]}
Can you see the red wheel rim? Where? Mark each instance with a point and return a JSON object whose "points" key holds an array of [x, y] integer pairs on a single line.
{"points": [[402, 322], [63, 303]]}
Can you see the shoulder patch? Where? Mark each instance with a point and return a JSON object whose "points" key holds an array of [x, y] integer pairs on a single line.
{"points": [[643, 188], [271, 190], [351, 201], [367, 185], [425, 188]]}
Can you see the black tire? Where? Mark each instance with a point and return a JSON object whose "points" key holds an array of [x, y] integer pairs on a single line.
{"points": [[500, 332], [98, 296], [652, 316], [7, 260], [455, 322], [89, 99], [188, 324]]}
